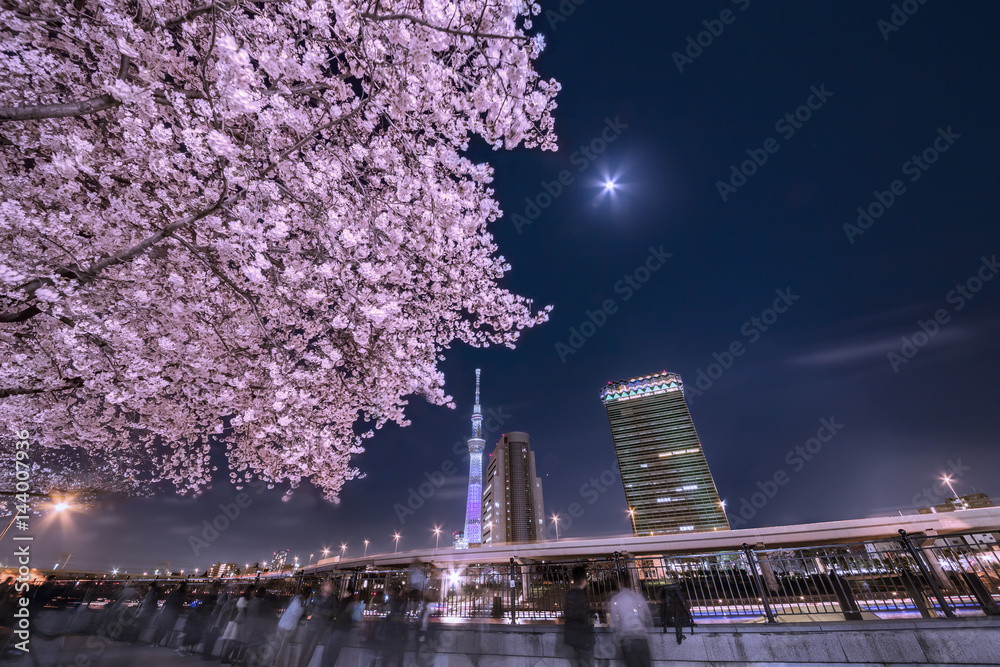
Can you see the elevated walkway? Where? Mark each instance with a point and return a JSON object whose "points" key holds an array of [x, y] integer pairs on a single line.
{"points": [[985, 519]]}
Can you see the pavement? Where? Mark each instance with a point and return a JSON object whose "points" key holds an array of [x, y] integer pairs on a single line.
{"points": [[80, 651]]}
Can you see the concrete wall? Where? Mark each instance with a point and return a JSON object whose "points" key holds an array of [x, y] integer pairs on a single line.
{"points": [[921, 642]]}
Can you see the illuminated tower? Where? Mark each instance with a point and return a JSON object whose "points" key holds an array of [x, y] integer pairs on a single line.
{"points": [[668, 485], [473, 510]]}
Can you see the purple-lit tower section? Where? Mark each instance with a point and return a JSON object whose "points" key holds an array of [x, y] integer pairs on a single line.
{"points": [[474, 508]]}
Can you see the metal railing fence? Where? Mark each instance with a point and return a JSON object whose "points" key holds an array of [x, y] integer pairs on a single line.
{"points": [[915, 575]]}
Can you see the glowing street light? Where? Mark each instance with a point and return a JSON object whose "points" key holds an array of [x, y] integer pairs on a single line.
{"points": [[326, 552], [437, 536], [722, 504], [396, 537], [958, 501], [555, 520], [631, 516], [610, 185], [366, 548], [343, 549]]}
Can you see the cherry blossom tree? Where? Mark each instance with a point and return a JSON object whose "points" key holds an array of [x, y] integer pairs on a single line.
{"points": [[254, 220]]}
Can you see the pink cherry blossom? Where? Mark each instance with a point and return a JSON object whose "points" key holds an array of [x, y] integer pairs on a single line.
{"points": [[249, 219]]}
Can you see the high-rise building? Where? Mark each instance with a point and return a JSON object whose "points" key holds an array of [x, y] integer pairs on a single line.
{"points": [[513, 510], [473, 507], [668, 485], [278, 560], [219, 570]]}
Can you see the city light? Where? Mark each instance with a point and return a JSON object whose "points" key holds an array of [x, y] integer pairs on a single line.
{"points": [[396, 537], [555, 520], [343, 549], [959, 502], [366, 549], [610, 185], [437, 536]]}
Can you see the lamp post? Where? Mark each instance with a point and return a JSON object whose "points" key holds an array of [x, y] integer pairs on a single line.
{"points": [[310, 560], [960, 503], [437, 536], [366, 548], [396, 537], [722, 504], [631, 516], [60, 506], [343, 549], [326, 552], [555, 520]]}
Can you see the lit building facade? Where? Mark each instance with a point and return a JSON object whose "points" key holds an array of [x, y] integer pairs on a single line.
{"points": [[278, 560], [969, 501], [513, 509], [473, 507], [668, 486], [220, 570]]}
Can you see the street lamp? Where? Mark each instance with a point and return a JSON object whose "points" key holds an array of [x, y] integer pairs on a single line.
{"points": [[722, 504], [958, 501], [60, 506], [326, 552], [396, 537], [555, 520], [631, 516], [310, 560], [437, 536], [366, 548], [343, 549]]}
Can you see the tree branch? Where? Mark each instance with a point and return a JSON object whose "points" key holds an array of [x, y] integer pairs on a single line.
{"points": [[67, 109], [94, 271], [74, 383], [450, 31], [61, 110]]}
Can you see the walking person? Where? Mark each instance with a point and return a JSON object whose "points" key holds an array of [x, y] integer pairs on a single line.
{"points": [[321, 614], [578, 630], [198, 619], [217, 621], [232, 635], [167, 618], [287, 626], [630, 619], [340, 630], [147, 613]]}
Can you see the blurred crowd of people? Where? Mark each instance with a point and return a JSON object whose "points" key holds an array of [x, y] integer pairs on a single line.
{"points": [[288, 623], [240, 625]]}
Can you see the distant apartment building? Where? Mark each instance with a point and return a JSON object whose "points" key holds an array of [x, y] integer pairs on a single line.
{"points": [[513, 510], [668, 486], [220, 570], [970, 501], [278, 561]]}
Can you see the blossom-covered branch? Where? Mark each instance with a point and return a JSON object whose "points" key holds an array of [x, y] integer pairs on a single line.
{"points": [[250, 225]]}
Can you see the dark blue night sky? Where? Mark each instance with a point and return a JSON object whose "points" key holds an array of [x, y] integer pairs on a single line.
{"points": [[827, 111]]}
